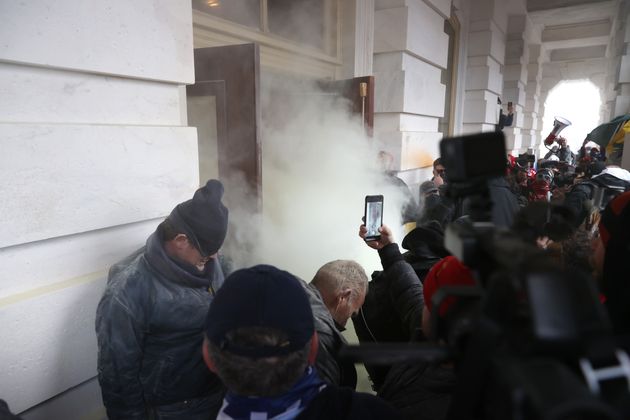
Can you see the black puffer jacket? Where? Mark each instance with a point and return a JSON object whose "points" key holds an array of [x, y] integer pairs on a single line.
{"points": [[149, 326], [328, 365], [392, 311]]}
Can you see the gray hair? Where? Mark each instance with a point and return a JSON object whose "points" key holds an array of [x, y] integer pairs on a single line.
{"points": [[341, 274]]}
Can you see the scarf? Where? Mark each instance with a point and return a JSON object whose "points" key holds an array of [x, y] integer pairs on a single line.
{"points": [[179, 271], [283, 407]]}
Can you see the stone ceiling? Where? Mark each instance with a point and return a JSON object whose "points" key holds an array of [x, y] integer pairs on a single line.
{"points": [[574, 30]]}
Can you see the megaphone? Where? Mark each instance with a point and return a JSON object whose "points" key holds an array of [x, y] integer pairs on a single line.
{"points": [[559, 124]]}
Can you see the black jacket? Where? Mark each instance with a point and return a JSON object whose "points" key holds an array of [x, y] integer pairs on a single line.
{"points": [[419, 391], [392, 311], [334, 403], [5, 413], [504, 202], [328, 366], [149, 326], [580, 198]]}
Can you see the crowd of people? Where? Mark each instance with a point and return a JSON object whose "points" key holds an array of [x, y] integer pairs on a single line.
{"points": [[179, 338]]}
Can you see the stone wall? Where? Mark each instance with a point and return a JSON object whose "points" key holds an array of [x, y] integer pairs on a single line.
{"points": [[95, 151]]}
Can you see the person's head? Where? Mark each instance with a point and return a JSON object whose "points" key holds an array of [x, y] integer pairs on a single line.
{"points": [[428, 188], [438, 168], [448, 272], [343, 285], [540, 219], [196, 228], [385, 161], [260, 332], [426, 240]]}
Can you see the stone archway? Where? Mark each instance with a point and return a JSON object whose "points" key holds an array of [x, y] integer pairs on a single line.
{"points": [[579, 101]]}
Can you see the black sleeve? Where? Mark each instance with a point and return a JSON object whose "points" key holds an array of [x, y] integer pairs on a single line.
{"points": [[405, 288], [390, 254], [5, 413], [576, 199]]}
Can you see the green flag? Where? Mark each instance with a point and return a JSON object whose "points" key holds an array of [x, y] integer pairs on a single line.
{"points": [[602, 134]]}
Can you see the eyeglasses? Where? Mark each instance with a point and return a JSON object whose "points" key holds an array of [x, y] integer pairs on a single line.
{"points": [[195, 243]]}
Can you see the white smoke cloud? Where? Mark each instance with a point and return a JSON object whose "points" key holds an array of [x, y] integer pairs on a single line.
{"points": [[318, 165]]}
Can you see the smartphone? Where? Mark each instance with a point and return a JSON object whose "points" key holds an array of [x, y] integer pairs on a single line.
{"points": [[373, 216]]}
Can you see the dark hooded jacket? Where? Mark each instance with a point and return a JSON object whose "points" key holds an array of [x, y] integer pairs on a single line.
{"points": [[328, 365], [149, 326]]}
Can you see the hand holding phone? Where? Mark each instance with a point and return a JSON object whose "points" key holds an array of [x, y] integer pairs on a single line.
{"points": [[373, 217], [387, 237]]}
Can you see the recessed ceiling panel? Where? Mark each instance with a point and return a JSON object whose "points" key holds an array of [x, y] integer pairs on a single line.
{"points": [[534, 5], [580, 53]]}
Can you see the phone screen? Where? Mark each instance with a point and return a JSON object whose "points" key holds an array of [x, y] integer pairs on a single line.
{"points": [[373, 216]]}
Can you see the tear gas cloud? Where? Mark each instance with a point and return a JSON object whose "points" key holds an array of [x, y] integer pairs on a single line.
{"points": [[318, 166]]}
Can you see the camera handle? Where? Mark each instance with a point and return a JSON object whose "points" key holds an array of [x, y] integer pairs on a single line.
{"points": [[594, 376]]}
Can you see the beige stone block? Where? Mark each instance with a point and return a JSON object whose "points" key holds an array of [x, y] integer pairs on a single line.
{"points": [[479, 43], [74, 97], [387, 122], [514, 49], [624, 69], [477, 78], [414, 177], [91, 251], [471, 128], [480, 110], [425, 36], [60, 321], [144, 39], [390, 30], [419, 150], [410, 92], [114, 175], [441, 6], [515, 72], [412, 150]]}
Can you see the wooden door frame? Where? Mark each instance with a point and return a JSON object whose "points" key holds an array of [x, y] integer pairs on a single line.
{"points": [[239, 149]]}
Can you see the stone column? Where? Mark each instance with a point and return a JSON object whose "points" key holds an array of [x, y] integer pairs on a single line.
{"points": [[486, 53], [410, 52], [515, 77], [622, 101], [532, 118], [357, 38]]}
